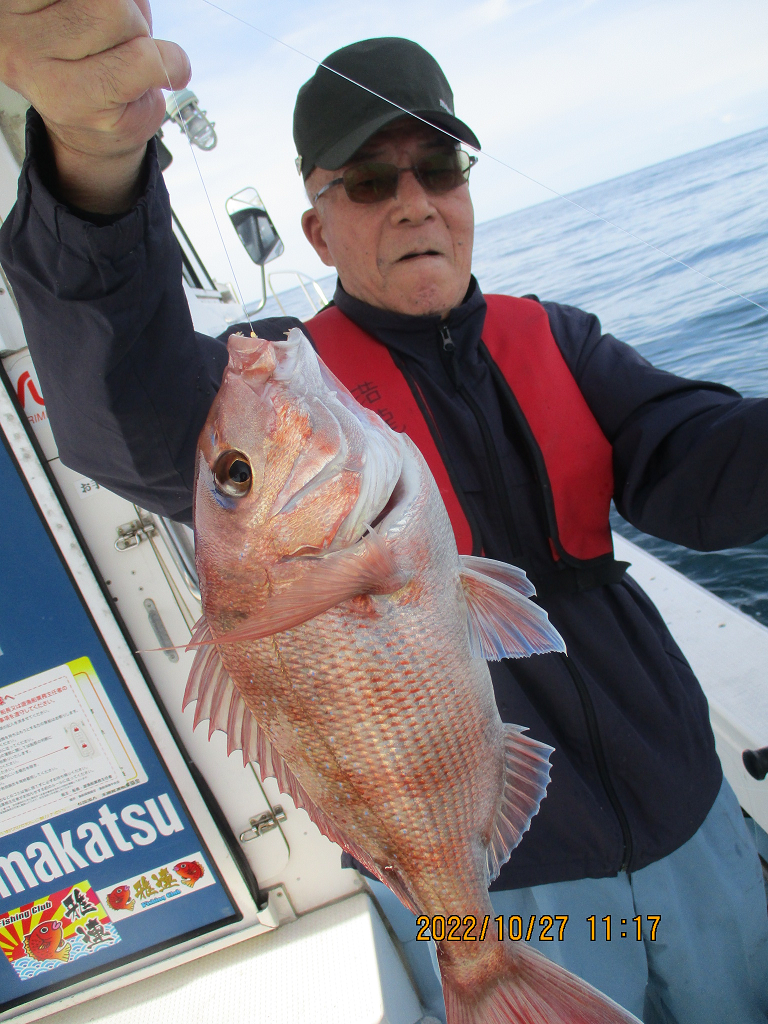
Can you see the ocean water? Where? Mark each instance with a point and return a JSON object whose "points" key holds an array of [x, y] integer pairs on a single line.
{"points": [[708, 209]]}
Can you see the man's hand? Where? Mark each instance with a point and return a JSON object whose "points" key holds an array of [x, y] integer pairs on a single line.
{"points": [[94, 73]]}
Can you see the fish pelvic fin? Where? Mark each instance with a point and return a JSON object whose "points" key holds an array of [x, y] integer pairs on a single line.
{"points": [[502, 621], [525, 987], [526, 776], [209, 683], [221, 703]]}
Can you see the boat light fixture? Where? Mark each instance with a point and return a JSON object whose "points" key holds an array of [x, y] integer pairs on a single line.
{"points": [[183, 107]]}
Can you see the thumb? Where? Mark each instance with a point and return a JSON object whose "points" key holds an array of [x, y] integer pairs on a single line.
{"points": [[175, 62]]}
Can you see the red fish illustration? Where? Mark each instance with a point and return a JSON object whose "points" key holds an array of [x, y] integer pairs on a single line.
{"points": [[190, 870], [46, 942], [120, 898]]}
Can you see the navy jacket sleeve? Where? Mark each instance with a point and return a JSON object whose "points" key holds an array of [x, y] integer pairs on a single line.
{"points": [[690, 457], [126, 379]]}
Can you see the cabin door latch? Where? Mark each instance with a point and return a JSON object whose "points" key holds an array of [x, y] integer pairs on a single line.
{"points": [[130, 535], [263, 823]]}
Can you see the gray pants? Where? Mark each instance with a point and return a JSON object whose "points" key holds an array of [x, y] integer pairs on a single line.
{"points": [[706, 960]]}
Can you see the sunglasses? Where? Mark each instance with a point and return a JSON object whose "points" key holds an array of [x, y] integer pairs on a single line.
{"points": [[371, 182]]}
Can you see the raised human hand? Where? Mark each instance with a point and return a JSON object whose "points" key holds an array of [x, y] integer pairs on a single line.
{"points": [[95, 75]]}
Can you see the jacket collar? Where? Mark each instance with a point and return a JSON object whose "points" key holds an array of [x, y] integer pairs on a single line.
{"points": [[415, 336]]}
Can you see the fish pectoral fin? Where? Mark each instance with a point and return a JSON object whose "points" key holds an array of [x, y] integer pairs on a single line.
{"points": [[526, 776], [368, 567], [503, 572], [502, 622]]}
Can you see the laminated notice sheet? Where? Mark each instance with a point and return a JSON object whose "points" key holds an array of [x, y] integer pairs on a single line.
{"points": [[61, 746]]}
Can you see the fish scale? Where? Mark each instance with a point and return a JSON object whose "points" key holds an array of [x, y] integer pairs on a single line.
{"points": [[343, 648]]}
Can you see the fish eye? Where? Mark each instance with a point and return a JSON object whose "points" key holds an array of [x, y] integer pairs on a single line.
{"points": [[232, 474]]}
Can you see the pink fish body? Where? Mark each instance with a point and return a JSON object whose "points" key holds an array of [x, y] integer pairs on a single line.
{"points": [[120, 898], [46, 942], [350, 662]]}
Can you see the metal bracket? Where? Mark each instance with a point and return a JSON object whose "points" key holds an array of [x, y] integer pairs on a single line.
{"points": [[263, 823], [130, 535]]}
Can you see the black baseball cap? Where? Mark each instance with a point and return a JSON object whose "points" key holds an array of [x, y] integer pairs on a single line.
{"points": [[334, 117]]}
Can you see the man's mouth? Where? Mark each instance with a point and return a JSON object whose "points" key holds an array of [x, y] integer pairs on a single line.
{"points": [[417, 255]]}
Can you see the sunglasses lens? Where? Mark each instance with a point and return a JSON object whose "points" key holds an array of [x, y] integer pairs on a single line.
{"points": [[370, 182], [444, 172]]}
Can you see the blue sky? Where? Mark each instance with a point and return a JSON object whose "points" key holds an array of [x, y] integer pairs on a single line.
{"points": [[571, 92]]}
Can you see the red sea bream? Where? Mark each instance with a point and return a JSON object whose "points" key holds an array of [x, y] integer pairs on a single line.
{"points": [[343, 649]]}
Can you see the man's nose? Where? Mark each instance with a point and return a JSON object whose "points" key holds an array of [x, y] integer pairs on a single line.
{"points": [[411, 199]]}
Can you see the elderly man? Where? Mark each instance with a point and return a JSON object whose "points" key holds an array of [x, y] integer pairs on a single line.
{"points": [[530, 418]]}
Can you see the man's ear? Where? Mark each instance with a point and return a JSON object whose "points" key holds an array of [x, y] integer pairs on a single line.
{"points": [[313, 229]]}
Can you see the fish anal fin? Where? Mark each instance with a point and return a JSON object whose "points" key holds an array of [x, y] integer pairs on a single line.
{"points": [[502, 622], [526, 776]]}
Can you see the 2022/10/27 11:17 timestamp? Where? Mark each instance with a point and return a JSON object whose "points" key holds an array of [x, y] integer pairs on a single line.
{"points": [[543, 929]]}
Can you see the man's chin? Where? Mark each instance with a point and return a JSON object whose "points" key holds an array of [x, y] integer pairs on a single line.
{"points": [[417, 289]]}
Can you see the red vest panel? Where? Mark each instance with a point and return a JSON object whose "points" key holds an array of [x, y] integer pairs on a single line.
{"points": [[573, 456]]}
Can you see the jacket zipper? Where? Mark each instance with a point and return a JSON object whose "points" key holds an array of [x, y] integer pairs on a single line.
{"points": [[449, 350], [588, 708]]}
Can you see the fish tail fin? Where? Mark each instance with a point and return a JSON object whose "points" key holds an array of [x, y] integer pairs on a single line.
{"points": [[63, 953], [527, 989]]}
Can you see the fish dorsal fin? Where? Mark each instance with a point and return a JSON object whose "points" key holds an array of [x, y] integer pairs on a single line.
{"points": [[501, 571], [502, 622], [222, 704], [526, 775]]}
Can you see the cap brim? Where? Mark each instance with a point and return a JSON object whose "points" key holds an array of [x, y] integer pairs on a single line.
{"points": [[345, 149]]}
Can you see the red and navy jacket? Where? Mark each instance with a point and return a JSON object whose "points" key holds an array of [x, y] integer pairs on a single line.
{"points": [[571, 455], [128, 384]]}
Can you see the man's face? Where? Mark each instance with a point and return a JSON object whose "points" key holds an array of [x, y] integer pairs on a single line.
{"points": [[409, 254]]}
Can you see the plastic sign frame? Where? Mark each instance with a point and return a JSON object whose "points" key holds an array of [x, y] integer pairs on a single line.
{"points": [[117, 724]]}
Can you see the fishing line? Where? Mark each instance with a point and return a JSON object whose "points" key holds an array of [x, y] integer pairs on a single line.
{"points": [[489, 156], [182, 122]]}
